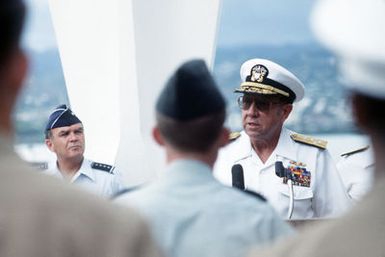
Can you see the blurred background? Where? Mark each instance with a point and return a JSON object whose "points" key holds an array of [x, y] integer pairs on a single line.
{"points": [[247, 29]]}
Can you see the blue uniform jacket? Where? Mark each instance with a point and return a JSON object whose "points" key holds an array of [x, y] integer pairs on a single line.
{"points": [[192, 214]]}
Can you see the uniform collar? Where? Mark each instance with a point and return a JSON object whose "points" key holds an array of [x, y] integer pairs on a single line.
{"points": [[85, 170], [284, 148], [53, 170], [189, 170], [244, 150]]}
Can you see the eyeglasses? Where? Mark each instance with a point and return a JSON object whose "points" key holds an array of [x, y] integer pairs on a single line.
{"points": [[263, 105]]}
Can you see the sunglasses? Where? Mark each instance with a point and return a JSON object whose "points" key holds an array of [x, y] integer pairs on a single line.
{"points": [[263, 105]]}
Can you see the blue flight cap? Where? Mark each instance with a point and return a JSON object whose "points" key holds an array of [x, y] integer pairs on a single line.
{"points": [[62, 116], [190, 93]]}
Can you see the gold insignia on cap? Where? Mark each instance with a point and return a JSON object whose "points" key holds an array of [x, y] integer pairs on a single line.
{"points": [[253, 87], [258, 73], [309, 140], [234, 135]]}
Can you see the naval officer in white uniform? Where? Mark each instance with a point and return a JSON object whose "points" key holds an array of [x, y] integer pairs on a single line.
{"points": [[356, 169], [353, 30], [190, 212], [65, 137], [268, 92]]}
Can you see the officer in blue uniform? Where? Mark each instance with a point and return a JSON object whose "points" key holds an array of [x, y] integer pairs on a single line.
{"points": [[64, 134], [190, 212]]}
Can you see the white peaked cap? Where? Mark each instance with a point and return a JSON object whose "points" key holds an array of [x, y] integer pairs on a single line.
{"points": [[275, 80], [355, 31]]}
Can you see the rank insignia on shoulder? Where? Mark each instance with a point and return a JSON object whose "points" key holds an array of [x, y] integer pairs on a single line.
{"points": [[102, 166], [359, 150], [234, 135], [298, 174], [309, 141]]}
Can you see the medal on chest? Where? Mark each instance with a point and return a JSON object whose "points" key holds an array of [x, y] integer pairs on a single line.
{"points": [[298, 174]]}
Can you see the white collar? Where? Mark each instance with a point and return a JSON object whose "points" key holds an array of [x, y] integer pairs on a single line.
{"points": [[285, 147], [85, 170]]}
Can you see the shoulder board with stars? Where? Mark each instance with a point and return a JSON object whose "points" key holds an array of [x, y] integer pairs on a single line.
{"points": [[234, 135], [355, 151], [309, 140], [102, 166]]}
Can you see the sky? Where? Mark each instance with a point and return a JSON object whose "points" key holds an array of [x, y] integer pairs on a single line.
{"points": [[242, 22], [265, 22], [39, 34]]}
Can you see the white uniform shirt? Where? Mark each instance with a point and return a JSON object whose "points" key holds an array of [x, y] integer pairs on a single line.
{"points": [[357, 172], [326, 196], [361, 232], [94, 177], [192, 214]]}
